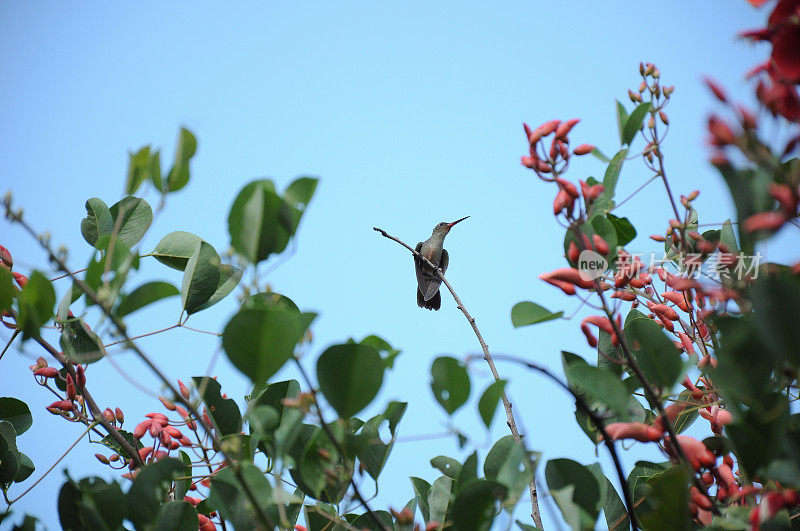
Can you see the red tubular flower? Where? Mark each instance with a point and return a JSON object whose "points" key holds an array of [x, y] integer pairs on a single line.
{"points": [[716, 89], [769, 221], [21, 279], [583, 149], [665, 311], [600, 244], [5, 257], [47, 372], [623, 295], [696, 452], [185, 393], [562, 202], [677, 299], [721, 133], [563, 129], [60, 405], [787, 198], [568, 187], [141, 429], [637, 431], [567, 274]]}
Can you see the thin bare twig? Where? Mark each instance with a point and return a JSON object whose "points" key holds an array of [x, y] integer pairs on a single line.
{"points": [[512, 424]]}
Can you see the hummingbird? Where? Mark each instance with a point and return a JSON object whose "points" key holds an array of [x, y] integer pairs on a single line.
{"points": [[428, 281]]}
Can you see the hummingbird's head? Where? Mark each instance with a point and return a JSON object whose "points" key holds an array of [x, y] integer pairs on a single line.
{"points": [[443, 228]]}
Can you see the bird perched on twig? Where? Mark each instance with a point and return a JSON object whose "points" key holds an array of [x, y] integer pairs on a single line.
{"points": [[428, 280]]}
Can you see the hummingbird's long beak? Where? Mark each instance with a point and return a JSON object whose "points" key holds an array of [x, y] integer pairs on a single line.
{"points": [[450, 225]]}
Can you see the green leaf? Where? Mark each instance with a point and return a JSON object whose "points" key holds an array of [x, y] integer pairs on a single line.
{"points": [[10, 458], [600, 155], [132, 216], [175, 249], [111, 443], [229, 277], [388, 353], [36, 303], [79, 343], [507, 463], [201, 278], [179, 174], [527, 313], [300, 191], [450, 383], [487, 405], [228, 495], [728, 237], [668, 498], [91, 503], [349, 377], [439, 498], [145, 295], [138, 170], [7, 289], [372, 452], [155, 171], [575, 490], [149, 488], [656, 355], [26, 468], [98, 221], [176, 516], [622, 119], [474, 507], [17, 413], [612, 173], [775, 303], [260, 222], [600, 385], [421, 491], [615, 512], [223, 411], [625, 230], [634, 123], [447, 466]]}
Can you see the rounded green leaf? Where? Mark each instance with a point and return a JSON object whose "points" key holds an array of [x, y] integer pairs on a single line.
{"points": [[144, 295], [175, 249], [36, 303], [600, 385], [527, 313], [79, 343], [98, 221], [349, 376], [579, 498], [132, 216], [201, 278], [656, 355], [229, 277], [149, 488], [26, 468], [260, 222], [17, 413], [176, 516], [300, 191], [475, 506], [634, 122], [223, 411], [450, 383], [259, 341]]}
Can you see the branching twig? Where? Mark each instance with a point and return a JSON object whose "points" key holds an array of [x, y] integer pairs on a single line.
{"points": [[512, 424]]}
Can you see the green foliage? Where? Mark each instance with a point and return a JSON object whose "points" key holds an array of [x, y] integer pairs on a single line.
{"points": [[143, 296], [449, 383], [17, 413], [487, 405], [200, 278], [349, 377], [527, 313], [223, 411], [656, 355], [92, 503], [576, 492], [35, 305], [79, 343], [175, 249]]}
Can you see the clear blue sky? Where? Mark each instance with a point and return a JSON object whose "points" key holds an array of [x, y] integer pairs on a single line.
{"points": [[410, 113]]}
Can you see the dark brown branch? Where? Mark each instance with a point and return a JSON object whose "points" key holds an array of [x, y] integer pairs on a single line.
{"points": [[512, 424]]}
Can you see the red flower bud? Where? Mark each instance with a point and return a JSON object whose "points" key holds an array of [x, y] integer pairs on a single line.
{"points": [[563, 129], [716, 89], [600, 244], [47, 372], [568, 187], [637, 431], [5, 257], [562, 202], [103, 459], [583, 149], [21, 279], [119, 415], [769, 221], [167, 403], [185, 393], [721, 133], [81, 376], [141, 429], [61, 405]]}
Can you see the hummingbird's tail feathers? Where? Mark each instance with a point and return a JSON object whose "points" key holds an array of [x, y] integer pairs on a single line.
{"points": [[434, 303]]}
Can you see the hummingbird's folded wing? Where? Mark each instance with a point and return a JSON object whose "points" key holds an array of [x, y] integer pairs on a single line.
{"points": [[432, 278]]}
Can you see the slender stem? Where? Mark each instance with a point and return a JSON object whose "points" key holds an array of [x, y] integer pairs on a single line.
{"points": [[141, 335], [512, 424], [68, 450], [13, 337], [338, 447], [596, 420]]}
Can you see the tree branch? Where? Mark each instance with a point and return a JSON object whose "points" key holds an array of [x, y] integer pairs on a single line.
{"points": [[512, 424]]}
